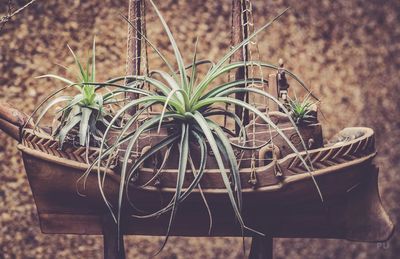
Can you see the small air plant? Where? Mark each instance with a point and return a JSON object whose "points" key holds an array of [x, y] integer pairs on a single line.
{"points": [[83, 114], [188, 105], [302, 111]]}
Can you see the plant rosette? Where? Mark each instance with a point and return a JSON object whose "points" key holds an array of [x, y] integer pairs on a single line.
{"points": [[189, 104], [185, 125], [81, 119]]}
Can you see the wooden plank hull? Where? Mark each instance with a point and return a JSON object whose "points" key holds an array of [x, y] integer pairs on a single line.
{"points": [[290, 207]]}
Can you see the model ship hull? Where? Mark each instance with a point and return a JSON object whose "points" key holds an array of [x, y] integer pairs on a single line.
{"points": [[286, 206]]}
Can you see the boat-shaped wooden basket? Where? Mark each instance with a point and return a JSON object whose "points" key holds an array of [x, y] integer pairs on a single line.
{"points": [[283, 204]]}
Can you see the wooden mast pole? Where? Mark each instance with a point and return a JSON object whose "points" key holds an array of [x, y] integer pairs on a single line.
{"points": [[261, 247], [113, 243], [239, 32], [134, 43]]}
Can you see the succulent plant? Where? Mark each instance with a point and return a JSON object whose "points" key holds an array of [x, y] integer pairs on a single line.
{"points": [[83, 113], [302, 111], [188, 104]]}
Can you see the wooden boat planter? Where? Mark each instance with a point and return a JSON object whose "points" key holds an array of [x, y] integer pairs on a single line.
{"points": [[280, 197], [284, 205]]}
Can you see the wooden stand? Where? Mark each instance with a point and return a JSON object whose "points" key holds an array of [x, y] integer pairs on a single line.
{"points": [[113, 245], [262, 248]]}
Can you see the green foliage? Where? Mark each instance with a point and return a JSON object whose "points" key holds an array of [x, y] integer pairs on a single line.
{"points": [[84, 112], [302, 112], [188, 103]]}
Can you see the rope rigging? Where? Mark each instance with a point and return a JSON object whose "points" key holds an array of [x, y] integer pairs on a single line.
{"points": [[242, 25]]}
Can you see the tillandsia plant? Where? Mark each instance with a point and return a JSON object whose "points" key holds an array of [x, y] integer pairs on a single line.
{"points": [[303, 111], [188, 104], [84, 114]]}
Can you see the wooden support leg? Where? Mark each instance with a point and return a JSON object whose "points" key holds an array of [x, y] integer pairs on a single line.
{"points": [[261, 248], [112, 250]]}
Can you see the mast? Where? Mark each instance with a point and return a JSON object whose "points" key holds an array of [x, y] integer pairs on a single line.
{"points": [[239, 33], [134, 43]]}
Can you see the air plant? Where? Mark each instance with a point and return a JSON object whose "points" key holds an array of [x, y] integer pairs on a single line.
{"points": [[302, 111], [188, 104], [83, 113]]}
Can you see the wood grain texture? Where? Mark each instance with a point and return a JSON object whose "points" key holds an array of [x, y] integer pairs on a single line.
{"points": [[12, 120], [289, 208], [239, 33]]}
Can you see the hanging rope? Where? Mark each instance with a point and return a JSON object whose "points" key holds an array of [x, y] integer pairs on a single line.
{"points": [[248, 27], [238, 34], [253, 48], [242, 24]]}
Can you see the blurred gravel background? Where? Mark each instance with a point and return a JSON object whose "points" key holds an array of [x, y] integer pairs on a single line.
{"points": [[347, 50]]}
